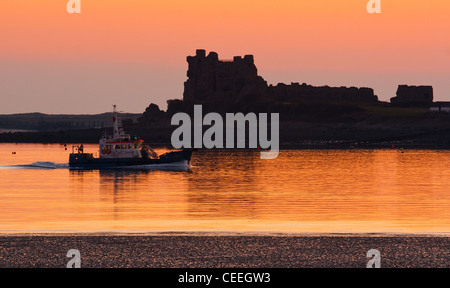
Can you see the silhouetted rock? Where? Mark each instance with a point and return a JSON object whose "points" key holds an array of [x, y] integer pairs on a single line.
{"points": [[152, 115], [413, 96]]}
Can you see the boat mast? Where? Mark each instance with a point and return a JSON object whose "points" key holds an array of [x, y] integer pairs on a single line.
{"points": [[116, 133]]}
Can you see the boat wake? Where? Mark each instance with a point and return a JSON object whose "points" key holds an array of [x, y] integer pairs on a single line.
{"points": [[37, 165], [49, 165]]}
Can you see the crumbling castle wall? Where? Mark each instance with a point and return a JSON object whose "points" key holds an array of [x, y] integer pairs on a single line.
{"points": [[237, 80], [325, 94], [413, 96]]}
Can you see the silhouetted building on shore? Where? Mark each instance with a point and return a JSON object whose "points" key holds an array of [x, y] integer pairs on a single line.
{"points": [[325, 94], [413, 96], [234, 85], [237, 80], [212, 80], [440, 107]]}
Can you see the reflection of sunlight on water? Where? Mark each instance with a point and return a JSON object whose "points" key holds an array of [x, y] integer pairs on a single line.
{"points": [[358, 191]]}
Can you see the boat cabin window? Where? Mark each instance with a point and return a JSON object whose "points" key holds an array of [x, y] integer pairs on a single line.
{"points": [[123, 146]]}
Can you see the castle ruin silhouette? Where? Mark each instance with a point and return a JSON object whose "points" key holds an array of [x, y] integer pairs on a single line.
{"points": [[214, 80], [234, 86]]}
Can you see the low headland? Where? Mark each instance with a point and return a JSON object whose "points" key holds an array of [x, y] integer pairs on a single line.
{"points": [[384, 127]]}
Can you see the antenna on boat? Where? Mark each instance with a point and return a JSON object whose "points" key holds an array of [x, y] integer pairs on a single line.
{"points": [[115, 123], [118, 131]]}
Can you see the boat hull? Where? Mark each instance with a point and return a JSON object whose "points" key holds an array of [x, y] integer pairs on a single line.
{"points": [[86, 161]]}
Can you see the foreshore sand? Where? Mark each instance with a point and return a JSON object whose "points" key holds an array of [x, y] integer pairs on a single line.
{"points": [[177, 250]]}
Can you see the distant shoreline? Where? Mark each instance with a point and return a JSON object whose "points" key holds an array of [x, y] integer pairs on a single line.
{"points": [[421, 131], [16, 131], [307, 137]]}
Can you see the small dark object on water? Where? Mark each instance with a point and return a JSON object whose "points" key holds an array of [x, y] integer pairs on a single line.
{"points": [[14, 153]]}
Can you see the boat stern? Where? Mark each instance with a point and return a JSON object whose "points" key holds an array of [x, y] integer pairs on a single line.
{"points": [[79, 159]]}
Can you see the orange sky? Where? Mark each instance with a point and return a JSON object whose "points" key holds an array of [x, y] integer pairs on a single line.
{"points": [[133, 52]]}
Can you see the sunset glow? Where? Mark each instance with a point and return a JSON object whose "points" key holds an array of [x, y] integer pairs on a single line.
{"points": [[117, 51]]}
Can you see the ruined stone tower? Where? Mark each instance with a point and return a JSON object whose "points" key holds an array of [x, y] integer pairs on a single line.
{"points": [[214, 80], [413, 96]]}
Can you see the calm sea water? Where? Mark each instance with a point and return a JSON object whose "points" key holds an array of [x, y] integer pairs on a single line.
{"points": [[302, 191]]}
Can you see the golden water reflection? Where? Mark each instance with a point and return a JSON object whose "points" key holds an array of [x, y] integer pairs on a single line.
{"points": [[302, 191]]}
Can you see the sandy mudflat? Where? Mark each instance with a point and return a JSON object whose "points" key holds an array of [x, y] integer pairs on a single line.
{"points": [[219, 251]]}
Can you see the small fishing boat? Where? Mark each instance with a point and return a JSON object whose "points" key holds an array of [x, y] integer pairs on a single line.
{"points": [[120, 150]]}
